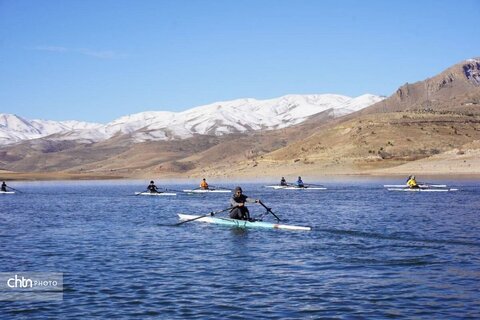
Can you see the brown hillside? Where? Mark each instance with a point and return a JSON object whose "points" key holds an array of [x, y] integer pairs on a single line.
{"points": [[455, 89]]}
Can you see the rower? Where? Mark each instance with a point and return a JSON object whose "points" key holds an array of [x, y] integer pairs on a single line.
{"points": [[283, 182], [412, 183], [152, 188], [300, 183], [204, 184], [4, 187], [238, 200]]}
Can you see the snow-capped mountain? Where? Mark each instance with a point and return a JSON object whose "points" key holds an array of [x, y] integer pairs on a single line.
{"points": [[14, 128], [217, 118]]}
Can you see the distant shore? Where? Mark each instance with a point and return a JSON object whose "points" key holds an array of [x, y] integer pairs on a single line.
{"points": [[274, 176]]}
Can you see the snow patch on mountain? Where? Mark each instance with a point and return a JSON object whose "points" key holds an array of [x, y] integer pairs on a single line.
{"points": [[14, 128], [218, 118]]}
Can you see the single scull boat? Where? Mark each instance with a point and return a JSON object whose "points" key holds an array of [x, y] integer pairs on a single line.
{"points": [[295, 188], [421, 190], [420, 185], [155, 194], [242, 223], [206, 191]]}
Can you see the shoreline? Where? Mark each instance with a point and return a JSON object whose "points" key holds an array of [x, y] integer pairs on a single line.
{"points": [[23, 176]]}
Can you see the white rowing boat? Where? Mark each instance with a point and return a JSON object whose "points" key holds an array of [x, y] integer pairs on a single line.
{"points": [[162, 194], [7, 192], [241, 223], [420, 185], [206, 191], [296, 188], [421, 190]]}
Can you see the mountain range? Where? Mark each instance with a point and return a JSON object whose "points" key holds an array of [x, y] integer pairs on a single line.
{"points": [[219, 118], [430, 126]]}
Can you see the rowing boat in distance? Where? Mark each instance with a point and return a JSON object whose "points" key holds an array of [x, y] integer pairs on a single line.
{"points": [[206, 191], [421, 189], [241, 223], [161, 194], [420, 185], [296, 188]]}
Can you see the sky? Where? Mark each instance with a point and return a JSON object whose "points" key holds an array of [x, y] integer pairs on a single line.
{"points": [[98, 60]]}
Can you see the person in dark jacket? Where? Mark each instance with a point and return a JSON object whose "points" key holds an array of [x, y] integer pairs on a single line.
{"points": [[239, 210], [152, 188], [283, 182], [4, 187]]}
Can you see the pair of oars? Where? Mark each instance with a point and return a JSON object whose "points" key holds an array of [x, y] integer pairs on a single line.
{"points": [[212, 213]]}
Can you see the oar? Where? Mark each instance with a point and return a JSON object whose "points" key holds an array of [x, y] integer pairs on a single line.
{"points": [[220, 188], [141, 192], [315, 185], [192, 190], [14, 189], [205, 215], [433, 185], [269, 210]]}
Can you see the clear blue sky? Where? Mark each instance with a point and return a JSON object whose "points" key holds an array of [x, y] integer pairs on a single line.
{"points": [[97, 60]]}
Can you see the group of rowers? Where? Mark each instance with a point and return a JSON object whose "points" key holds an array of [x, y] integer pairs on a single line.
{"points": [[239, 211], [237, 202]]}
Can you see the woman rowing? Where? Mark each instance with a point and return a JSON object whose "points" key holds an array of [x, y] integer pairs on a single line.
{"points": [[239, 210], [152, 187], [283, 182], [204, 184], [300, 183], [412, 183], [4, 187]]}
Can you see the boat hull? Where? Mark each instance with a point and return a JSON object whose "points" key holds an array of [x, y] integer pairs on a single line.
{"points": [[242, 223], [7, 192], [421, 190], [295, 188], [161, 194], [206, 191], [421, 185]]}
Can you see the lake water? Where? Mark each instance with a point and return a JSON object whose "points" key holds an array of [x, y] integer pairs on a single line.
{"points": [[371, 253]]}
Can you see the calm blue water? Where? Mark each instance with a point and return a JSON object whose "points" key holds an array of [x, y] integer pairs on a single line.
{"points": [[372, 254]]}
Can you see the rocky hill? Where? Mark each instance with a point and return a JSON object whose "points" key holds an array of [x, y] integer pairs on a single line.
{"points": [[456, 89]]}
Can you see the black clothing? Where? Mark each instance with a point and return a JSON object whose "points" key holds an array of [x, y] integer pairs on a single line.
{"points": [[4, 187], [240, 213], [152, 188]]}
